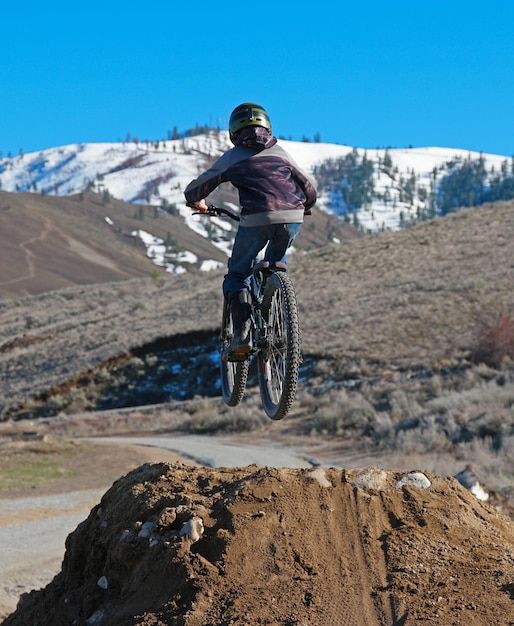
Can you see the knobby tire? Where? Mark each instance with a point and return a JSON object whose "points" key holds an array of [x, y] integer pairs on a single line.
{"points": [[233, 374], [279, 364]]}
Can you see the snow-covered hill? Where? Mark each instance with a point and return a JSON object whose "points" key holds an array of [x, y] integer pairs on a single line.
{"points": [[157, 172]]}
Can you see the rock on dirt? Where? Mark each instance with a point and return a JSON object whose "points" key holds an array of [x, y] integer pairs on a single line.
{"points": [[173, 544]]}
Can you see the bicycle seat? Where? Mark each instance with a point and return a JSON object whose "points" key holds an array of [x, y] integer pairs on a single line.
{"points": [[265, 267]]}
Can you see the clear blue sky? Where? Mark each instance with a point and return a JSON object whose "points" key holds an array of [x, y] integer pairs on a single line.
{"points": [[367, 74]]}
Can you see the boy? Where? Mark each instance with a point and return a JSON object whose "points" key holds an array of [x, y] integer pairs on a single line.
{"points": [[274, 194]]}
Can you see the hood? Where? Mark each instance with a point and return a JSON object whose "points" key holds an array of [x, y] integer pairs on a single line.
{"points": [[255, 137]]}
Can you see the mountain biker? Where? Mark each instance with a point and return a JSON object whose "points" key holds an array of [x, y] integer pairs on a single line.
{"points": [[274, 195]]}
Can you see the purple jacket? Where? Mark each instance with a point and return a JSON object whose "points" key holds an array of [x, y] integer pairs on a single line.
{"points": [[273, 189]]}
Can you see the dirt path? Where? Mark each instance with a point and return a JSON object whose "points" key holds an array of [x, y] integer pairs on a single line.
{"points": [[221, 452], [32, 536], [30, 257]]}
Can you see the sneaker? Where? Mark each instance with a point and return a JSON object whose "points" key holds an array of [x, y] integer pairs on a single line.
{"points": [[241, 344]]}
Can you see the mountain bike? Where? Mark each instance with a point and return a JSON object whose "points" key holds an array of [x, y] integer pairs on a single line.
{"points": [[275, 333]]}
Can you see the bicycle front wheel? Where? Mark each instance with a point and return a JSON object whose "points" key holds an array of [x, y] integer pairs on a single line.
{"points": [[233, 374], [279, 362]]}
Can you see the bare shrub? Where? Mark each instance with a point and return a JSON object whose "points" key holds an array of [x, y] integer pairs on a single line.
{"points": [[496, 341], [426, 436], [57, 402], [77, 400], [208, 416], [404, 405], [340, 413]]}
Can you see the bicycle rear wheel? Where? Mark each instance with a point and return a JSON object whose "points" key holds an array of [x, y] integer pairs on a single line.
{"points": [[233, 374], [279, 363]]}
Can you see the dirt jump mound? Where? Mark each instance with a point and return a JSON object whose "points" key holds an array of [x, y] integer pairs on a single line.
{"points": [[181, 545]]}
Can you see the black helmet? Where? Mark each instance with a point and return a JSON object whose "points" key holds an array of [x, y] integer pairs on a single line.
{"points": [[247, 114]]}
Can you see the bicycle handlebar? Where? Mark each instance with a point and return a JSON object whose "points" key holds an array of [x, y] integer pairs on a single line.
{"points": [[216, 211]]}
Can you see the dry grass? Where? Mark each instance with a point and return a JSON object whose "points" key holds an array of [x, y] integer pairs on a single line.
{"points": [[29, 464], [413, 297]]}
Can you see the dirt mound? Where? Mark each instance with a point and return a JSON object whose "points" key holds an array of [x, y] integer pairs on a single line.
{"points": [[175, 544]]}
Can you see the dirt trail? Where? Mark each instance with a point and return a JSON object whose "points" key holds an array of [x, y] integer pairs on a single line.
{"points": [[33, 532], [192, 546], [30, 257]]}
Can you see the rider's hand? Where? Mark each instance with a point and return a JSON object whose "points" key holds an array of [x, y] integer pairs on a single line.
{"points": [[201, 206]]}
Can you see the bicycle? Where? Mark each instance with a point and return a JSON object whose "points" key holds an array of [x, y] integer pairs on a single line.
{"points": [[276, 338]]}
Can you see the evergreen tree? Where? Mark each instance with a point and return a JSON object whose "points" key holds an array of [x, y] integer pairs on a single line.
{"points": [[106, 197], [387, 162], [351, 176], [464, 185], [467, 184]]}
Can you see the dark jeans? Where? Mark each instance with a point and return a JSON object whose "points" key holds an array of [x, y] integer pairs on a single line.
{"points": [[248, 243]]}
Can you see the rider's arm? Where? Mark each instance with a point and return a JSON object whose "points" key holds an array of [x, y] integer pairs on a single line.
{"points": [[207, 182], [306, 184]]}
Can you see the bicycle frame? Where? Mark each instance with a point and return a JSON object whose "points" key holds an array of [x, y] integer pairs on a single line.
{"points": [[257, 283], [260, 273]]}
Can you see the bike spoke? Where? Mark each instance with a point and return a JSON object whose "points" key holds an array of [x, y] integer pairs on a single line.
{"points": [[277, 352], [234, 374], [279, 362]]}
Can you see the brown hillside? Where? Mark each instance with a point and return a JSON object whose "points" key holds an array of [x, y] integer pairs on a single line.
{"points": [[410, 297], [46, 245], [413, 298], [49, 242], [177, 545]]}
